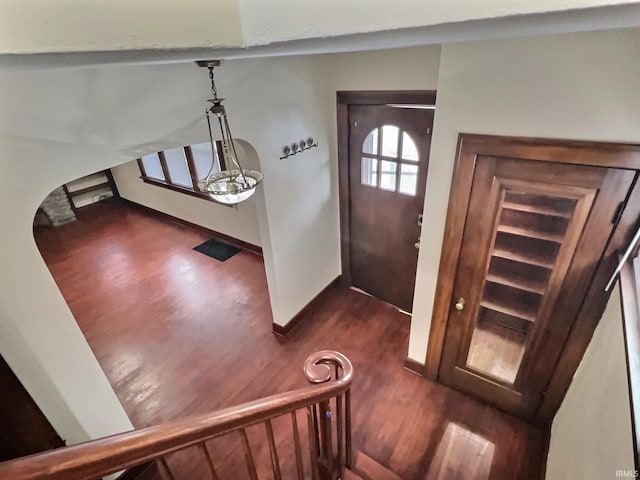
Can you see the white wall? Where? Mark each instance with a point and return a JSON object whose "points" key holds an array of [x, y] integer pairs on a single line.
{"points": [[302, 234], [39, 338], [64, 124], [413, 68], [579, 86], [591, 435]]}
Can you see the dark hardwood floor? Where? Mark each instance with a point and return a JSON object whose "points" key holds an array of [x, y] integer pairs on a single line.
{"points": [[178, 333]]}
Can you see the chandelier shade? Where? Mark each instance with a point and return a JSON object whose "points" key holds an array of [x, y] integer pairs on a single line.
{"points": [[233, 184]]}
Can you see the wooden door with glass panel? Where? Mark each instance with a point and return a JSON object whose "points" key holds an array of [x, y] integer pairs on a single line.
{"points": [[388, 160], [533, 236]]}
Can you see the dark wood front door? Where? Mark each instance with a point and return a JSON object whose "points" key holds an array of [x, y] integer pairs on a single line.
{"points": [[533, 236], [388, 159]]}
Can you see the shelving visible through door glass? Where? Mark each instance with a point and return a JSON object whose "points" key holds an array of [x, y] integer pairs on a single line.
{"points": [[528, 237]]}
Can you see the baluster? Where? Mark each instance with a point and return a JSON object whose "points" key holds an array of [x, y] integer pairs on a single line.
{"points": [[275, 464], [212, 471], [313, 443], [347, 422], [296, 442], [316, 431], [163, 468], [248, 456], [339, 429], [325, 431]]}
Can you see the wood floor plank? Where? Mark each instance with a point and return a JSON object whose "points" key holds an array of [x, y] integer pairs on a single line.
{"points": [[369, 468], [179, 333]]}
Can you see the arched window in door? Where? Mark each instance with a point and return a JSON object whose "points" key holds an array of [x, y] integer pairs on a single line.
{"points": [[390, 159]]}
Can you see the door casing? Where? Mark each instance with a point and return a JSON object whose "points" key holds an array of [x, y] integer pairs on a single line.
{"points": [[368, 97], [564, 151]]}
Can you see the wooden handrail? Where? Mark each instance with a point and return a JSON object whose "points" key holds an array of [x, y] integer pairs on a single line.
{"points": [[111, 454]]}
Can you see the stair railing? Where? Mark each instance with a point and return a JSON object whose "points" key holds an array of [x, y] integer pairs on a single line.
{"points": [[331, 374]]}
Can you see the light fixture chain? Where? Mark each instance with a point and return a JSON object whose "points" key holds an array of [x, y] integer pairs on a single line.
{"points": [[214, 90]]}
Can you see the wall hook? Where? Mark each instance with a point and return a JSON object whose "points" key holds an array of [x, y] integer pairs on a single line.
{"points": [[297, 147]]}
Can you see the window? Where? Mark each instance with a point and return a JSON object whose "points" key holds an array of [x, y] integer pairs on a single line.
{"points": [[176, 161], [180, 168], [398, 160]]}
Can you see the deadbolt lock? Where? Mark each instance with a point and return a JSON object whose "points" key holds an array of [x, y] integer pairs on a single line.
{"points": [[460, 304]]}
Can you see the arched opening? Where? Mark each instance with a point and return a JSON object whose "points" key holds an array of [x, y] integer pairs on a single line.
{"points": [[157, 313]]}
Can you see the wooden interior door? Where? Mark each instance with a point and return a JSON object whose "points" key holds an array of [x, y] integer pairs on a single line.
{"points": [[533, 237], [388, 159]]}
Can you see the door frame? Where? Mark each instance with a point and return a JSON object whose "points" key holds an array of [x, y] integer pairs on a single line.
{"points": [[611, 155], [363, 97]]}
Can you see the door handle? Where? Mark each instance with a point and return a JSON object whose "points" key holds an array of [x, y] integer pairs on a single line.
{"points": [[417, 245], [460, 304]]}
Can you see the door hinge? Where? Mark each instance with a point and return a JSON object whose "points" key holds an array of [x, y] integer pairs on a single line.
{"points": [[617, 214]]}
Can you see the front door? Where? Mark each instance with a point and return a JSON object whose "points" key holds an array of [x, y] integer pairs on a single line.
{"points": [[388, 159], [533, 237]]}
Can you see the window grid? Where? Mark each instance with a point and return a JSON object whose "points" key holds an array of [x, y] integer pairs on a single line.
{"points": [[168, 183], [397, 166]]}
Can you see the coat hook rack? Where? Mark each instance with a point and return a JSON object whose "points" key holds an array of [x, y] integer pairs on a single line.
{"points": [[296, 148]]}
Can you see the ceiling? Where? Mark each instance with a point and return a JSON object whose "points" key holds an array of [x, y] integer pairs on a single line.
{"points": [[45, 34]]}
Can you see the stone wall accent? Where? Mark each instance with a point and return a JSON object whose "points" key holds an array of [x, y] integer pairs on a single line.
{"points": [[58, 208]]}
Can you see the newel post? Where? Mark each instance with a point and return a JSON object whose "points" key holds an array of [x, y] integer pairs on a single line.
{"points": [[321, 367]]}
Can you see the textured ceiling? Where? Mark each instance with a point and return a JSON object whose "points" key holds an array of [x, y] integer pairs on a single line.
{"points": [[45, 34]]}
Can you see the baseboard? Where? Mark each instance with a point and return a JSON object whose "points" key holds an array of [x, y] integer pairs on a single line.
{"points": [[415, 367], [283, 330], [249, 247]]}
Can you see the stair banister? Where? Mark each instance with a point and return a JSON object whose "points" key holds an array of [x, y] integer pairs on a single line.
{"points": [[111, 454]]}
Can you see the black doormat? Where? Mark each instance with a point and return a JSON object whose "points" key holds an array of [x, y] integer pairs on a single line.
{"points": [[216, 249]]}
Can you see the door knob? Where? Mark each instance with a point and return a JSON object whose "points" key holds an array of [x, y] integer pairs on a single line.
{"points": [[460, 304], [417, 245]]}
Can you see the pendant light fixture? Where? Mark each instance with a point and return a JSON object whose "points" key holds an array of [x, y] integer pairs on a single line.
{"points": [[234, 184]]}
